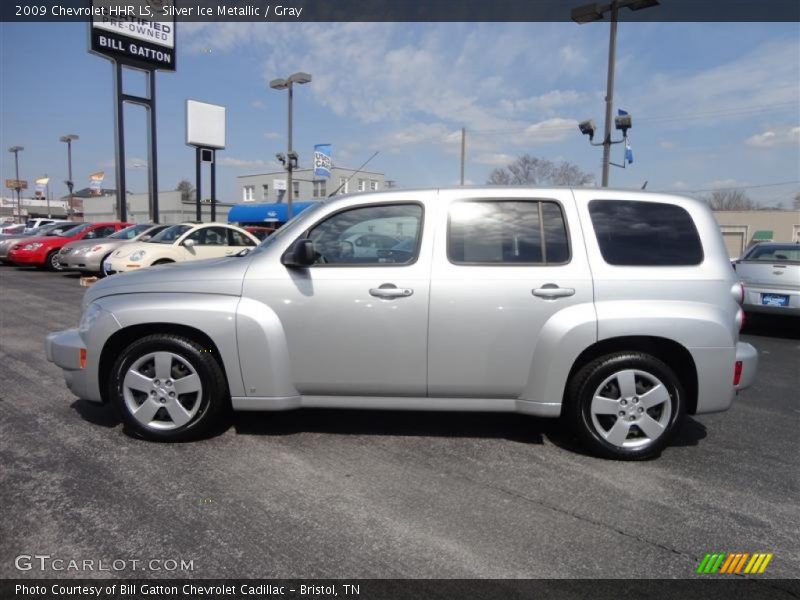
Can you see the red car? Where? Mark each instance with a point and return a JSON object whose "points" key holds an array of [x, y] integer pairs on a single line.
{"points": [[41, 251]]}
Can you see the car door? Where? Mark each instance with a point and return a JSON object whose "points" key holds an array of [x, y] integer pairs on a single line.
{"points": [[209, 242], [504, 264], [357, 325]]}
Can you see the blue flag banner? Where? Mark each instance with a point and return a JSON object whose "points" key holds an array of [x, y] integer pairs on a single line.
{"points": [[621, 112], [322, 160], [628, 151]]}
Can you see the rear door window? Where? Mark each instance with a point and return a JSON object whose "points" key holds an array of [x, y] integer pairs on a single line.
{"points": [[507, 232], [639, 234]]}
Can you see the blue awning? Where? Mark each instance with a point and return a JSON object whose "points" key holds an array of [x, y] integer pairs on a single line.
{"points": [[264, 212]]}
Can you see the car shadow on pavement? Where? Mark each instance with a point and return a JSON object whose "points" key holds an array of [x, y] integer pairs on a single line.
{"points": [[777, 326], [515, 428], [96, 414]]}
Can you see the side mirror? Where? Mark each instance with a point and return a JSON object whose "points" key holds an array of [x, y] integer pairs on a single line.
{"points": [[188, 243], [302, 254]]}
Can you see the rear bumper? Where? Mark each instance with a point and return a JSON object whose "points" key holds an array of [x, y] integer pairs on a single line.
{"points": [[749, 359]]}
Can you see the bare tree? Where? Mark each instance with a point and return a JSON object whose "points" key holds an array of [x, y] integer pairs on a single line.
{"points": [[531, 170], [730, 199], [186, 188]]}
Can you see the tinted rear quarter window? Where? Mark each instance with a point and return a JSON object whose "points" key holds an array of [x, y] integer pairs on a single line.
{"points": [[634, 233]]}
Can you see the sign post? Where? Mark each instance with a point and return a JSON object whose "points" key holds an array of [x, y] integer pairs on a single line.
{"points": [[205, 132], [140, 35]]}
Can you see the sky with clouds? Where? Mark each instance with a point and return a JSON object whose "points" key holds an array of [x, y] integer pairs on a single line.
{"points": [[713, 104]]}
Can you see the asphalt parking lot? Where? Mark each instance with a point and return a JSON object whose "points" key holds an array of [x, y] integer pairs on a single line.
{"points": [[319, 494]]}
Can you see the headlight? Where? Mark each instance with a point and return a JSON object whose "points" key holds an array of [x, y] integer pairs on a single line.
{"points": [[138, 255], [88, 317], [92, 249], [34, 246]]}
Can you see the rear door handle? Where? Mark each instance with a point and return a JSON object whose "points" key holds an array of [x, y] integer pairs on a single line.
{"points": [[389, 290], [551, 290]]}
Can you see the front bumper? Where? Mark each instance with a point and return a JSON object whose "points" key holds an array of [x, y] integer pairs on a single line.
{"points": [[81, 262], [749, 359], [27, 257], [64, 349]]}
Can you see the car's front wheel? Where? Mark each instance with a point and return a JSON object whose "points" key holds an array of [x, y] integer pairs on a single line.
{"points": [[168, 388], [51, 263], [625, 406]]}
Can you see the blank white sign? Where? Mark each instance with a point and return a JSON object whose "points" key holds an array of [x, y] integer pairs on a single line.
{"points": [[205, 124]]}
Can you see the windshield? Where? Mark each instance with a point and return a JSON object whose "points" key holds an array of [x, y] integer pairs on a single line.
{"points": [[774, 253], [129, 232], [71, 231], [289, 228], [61, 228], [169, 235]]}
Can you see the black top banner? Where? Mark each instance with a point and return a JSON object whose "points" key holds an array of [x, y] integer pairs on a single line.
{"points": [[422, 10]]}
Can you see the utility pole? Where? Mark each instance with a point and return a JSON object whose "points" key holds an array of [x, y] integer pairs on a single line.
{"points": [[463, 151], [16, 150], [68, 139]]}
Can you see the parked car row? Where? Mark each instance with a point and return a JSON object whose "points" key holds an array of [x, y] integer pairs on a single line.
{"points": [[114, 247]]}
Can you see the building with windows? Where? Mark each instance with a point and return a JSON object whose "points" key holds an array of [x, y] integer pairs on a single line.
{"points": [[172, 208], [271, 187]]}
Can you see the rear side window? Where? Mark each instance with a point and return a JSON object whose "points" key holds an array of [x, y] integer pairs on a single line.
{"points": [[507, 232], [639, 234]]}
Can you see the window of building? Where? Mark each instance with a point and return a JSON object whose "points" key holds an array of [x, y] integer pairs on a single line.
{"points": [[264, 192], [507, 232], [249, 193], [636, 233], [295, 189], [362, 185], [373, 185], [343, 185], [367, 235], [320, 188]]}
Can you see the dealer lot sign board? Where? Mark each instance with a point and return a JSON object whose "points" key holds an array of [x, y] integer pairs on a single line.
{"points": [[139, 33]]}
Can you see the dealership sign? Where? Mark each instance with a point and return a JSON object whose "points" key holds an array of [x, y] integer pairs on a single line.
{"points": [[139, 33]]}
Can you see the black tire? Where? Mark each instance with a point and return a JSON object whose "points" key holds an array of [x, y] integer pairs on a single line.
{"points": [[100, 274], [163, 261], [213, 401], [51, 264], [581, 393]]}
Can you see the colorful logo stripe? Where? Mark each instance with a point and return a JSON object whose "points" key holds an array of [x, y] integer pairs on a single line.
{"points": [[734, 563]]}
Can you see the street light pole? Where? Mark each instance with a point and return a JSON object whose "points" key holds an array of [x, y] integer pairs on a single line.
{"points": [[612, 60], [594, 12], [68, 139], [291, 156], [16, 150]]}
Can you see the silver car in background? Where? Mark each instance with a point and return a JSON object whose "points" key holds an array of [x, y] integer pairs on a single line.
{"points": [[770, 272], [87, 256], [6, 242]]}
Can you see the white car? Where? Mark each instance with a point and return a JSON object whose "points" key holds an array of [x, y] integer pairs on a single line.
{"points": [[180, 243]]}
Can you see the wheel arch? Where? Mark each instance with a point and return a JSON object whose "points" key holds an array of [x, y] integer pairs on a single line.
{"points": [[668, 351], [124, 337]]}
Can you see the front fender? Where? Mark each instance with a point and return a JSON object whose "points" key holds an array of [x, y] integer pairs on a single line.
{"points": [[213, 314]]}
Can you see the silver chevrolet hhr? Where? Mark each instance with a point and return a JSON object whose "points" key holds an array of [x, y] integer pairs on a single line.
{"points": [[616, 310]]}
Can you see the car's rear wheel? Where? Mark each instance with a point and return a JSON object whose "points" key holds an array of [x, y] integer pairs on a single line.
{"points": [[625, 406], [51, 262], [168, 388]]}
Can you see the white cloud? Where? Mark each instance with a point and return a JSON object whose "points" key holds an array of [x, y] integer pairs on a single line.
{"points": [[679, 185], [547, 102], [495, 159], [772, 138], [130, 163], [667, 144], [271, 135], [258, 104]]}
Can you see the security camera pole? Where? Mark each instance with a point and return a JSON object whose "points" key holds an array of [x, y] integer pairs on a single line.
{"points": [[291, 156], [595, 12]]}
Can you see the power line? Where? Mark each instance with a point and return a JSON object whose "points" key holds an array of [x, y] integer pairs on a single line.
{"points": [[738, 187]]}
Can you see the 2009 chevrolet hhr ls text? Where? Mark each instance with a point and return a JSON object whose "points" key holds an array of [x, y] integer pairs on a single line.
{"points": [[616, 310]]}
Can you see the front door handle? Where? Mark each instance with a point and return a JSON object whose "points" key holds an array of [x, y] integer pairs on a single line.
{"points": [[552, 291], [390, 290]]}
